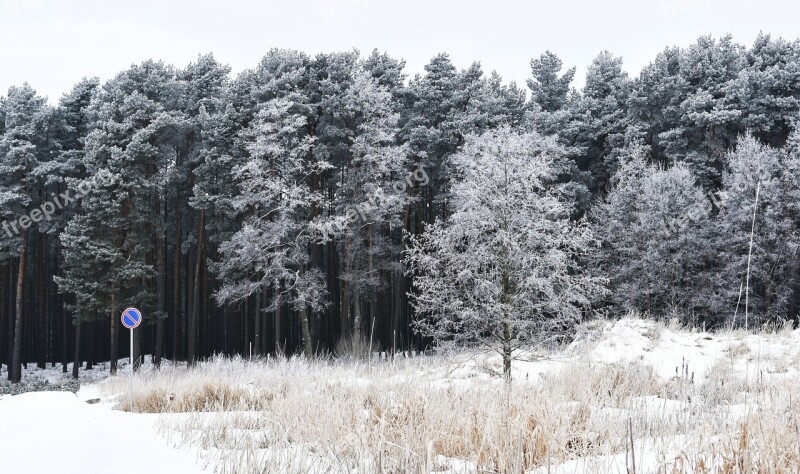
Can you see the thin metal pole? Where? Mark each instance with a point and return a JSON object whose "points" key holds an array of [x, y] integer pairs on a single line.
{"points": [[749, 256], [130, 382]]}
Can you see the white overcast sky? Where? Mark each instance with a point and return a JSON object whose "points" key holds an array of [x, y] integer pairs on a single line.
{"points": [[53, 44]]}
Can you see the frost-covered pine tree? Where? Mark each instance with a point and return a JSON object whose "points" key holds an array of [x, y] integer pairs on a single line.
{"points": [[503, 269], [775, 241], [23, 146], [549, 90], [367, 202], [549, 107], [704, 126], [112, 234], [270, 251], [600, 121], [654, 228], [766, 93]]}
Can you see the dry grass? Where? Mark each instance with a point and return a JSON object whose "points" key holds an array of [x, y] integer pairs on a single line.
{"points": [[413, 416]]}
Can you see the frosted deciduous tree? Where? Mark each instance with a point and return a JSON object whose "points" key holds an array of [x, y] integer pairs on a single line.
{"points": [[503, 269]]}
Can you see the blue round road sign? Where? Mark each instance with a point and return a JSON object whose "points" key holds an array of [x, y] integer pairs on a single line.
{"points": [[131, 318]]}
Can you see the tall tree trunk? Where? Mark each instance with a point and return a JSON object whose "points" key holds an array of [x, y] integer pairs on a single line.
{"points": [[507, 352], [3, 314], [16, 359], [507, 348], [207, 310], [308, 347], [161, 263], [345, 326], [264, 320], [277, 317], [89, 329], [373, 306], [356, 312], [397, 301], [305, 327], [76, 356], [114, 337], [246, 327], [195, 312], [42, 336], [64, 340], [335, 307], [177, 301], [11, 318], [278, 345], [257, 324]]}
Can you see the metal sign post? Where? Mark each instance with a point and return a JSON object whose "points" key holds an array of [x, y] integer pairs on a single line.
{"points": [[131, 319]]}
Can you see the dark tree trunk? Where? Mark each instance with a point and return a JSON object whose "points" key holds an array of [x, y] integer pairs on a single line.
{"points": [[194, 315], [89, 353], [257, 325], [162, 296], [64, 341], [4, 282], [246, 350], [278, 345], [10, 324], [76, 356], [114, 336], [334, 315], [177, 300], [42, 330], [506, 352], [264, 320], [16, 358], [305, 328], [205, 311]]}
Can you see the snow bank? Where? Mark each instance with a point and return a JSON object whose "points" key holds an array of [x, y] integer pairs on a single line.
{"points": [[672, 352], [60, 432]]}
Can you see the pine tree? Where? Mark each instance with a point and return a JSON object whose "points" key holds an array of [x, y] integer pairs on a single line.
{"points": [[600, 115], [654, 227], [766, 93], [368, 203], [707, 126], [23, 146], [270, 251], [549, 90], [755, 166], [74, 124], [653, 107], [134, 121]]}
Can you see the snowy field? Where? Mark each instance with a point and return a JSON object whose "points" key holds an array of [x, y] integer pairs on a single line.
{"points": [[624, 396]]}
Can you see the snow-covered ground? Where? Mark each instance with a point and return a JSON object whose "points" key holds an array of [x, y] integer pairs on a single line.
{"points": [[626, 392], [60, 432]]}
